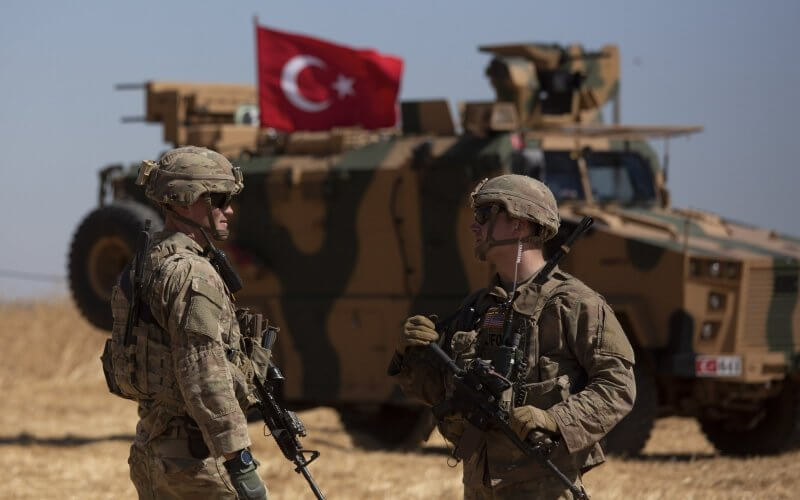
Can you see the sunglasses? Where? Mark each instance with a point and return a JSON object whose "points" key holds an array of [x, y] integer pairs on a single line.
{"points": [[484, 212], [221, 200]]}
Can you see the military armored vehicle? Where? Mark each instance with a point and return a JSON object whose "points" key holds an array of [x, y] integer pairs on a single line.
{"points": [[340, 235]]}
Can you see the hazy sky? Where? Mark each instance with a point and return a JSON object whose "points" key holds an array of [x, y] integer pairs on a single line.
{"points": [[731, 66]]}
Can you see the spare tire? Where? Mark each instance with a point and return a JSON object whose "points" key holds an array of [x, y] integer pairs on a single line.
{"points": [[101, 247]]}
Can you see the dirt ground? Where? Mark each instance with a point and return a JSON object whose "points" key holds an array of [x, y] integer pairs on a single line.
{"points": [[63, 436]]}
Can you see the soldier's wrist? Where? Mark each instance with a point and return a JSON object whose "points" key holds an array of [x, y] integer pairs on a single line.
{"points": [[241, 462]]}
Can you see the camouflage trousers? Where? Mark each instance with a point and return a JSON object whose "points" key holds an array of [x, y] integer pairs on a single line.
{"points": [[165, 469], [542, 488]]}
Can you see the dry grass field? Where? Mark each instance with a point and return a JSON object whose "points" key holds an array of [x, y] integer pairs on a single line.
{"points": [[63, 436]]}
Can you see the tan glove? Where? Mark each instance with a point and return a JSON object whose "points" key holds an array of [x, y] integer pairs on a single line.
{"points": [[417, 332], [527, 419]]}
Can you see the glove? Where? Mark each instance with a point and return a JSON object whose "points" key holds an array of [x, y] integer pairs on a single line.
{"points": [[418, 331], [527, 419], [246, 480]]}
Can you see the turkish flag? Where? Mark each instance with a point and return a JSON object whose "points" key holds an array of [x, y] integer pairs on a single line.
{"points": [[309, 84]]}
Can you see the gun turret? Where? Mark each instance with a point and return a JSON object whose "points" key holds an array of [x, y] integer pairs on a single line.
{"points": [[551, 84]]}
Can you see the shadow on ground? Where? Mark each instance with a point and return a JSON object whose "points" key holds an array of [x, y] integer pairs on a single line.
{"points": [[25, 439]]}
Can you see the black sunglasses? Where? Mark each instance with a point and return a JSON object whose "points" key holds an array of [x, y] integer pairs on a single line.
{"points": [[484, 212], [221, 200]]}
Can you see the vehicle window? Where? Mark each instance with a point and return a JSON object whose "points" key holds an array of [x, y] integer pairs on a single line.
{"points": [[560, 173], [620, 177]]}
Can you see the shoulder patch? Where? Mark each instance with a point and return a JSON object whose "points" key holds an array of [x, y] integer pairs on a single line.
{"points": [[206, 289], [203, 313]]}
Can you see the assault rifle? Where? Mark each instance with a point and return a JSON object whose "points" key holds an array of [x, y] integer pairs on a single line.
{"points": [[478, 390], [284, 425]]}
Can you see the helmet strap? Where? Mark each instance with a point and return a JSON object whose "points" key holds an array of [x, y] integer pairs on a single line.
{"points": [[490, 242]]}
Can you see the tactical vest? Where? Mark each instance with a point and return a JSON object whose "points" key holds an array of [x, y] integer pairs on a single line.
{"points": [[143, 369], [483, 335]]}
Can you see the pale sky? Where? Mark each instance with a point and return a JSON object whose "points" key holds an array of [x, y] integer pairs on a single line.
{"points": [[730, 66]]}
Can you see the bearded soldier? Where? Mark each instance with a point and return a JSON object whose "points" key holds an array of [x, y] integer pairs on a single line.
{"points": [[185, 360], [572, 372]]}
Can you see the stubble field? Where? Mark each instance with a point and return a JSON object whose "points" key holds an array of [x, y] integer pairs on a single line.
{"points": [[63, 436]]}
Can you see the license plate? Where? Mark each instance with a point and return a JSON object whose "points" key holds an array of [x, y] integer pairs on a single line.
{"points": [[718, 366]]}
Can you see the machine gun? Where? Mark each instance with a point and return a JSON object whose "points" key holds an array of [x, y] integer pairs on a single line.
{"points": [[478, 390], [284, 425]]}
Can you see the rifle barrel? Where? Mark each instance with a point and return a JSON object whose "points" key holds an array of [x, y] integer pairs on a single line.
{"points": [[306, 474]]}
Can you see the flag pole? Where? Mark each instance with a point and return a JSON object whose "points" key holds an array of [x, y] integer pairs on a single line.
{"points": [[258, 73]]}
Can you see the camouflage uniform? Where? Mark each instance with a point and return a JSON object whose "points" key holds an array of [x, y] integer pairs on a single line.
{"points": [[196, 382], [178, 445], [577, 366]]}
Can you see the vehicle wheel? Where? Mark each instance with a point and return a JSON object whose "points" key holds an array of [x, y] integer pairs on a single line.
{"points": [[777, 427], [101, 247], [388, 427], [630, 435]]}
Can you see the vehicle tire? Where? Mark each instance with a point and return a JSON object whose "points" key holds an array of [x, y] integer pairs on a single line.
{"points": [[777, 430], [388, 427], [101, 247], [630, 435]]}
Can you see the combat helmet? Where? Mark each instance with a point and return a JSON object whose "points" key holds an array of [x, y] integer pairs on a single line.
{"points": [[185, 175], [522, 197]]}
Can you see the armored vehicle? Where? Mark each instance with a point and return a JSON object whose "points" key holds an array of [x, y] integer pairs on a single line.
{"points": [[340, 235]]}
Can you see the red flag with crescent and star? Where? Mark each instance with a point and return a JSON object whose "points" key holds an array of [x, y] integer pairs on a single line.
{"points": [[309, 84]]}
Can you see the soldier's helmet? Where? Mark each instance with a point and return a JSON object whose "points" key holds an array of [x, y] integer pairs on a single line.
{"points": [[523, 197], [185, 174]]}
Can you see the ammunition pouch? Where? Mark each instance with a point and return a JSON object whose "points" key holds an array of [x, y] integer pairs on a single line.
{"points": [[257, 337]]}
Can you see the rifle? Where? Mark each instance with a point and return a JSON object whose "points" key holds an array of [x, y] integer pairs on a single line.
{"points": [[477, 392], [142, 242], [284, 425]]}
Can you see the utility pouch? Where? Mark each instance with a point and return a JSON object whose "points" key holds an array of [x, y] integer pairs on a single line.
{"points": [[258, 336], [108, 371], [260, 358]]}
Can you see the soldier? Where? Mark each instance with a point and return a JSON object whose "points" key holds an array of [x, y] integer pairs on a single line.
{"points": [[573, 379], [189, 373]]}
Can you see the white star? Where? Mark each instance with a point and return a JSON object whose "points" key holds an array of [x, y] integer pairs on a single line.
{"points": [[343, 86]]}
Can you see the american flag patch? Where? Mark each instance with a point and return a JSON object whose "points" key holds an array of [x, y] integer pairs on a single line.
{"points": [[494, 319]]}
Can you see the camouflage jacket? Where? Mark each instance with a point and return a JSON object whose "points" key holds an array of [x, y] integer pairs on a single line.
{"points": [[202, 377], [577, 365]]}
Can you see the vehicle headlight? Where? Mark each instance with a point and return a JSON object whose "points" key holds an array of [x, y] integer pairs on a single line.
{"points": [[708, 268], [716, 301], [709, 330]]}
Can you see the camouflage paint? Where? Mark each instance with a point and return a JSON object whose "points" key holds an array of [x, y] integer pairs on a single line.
{"points": [[312, 282], [444, 186], [644, 255]]}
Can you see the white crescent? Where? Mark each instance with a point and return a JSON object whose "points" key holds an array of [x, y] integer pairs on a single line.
{"points": [[291, 69]]}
